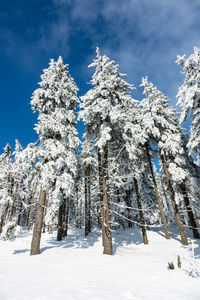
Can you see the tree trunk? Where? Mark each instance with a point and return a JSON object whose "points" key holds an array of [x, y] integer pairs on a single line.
{"points": [[66, 217], [101, 196], [98, 215], [30, 214], [77, 210], [106, 205], [19, 214], [190, 214], [3, 217], [165, 195], [139, 202], [174, 205], [128, 203], [86, 201], [89, 202], [60, 223], [35, 244], [157, 194], [45, 211], [13, 210]]}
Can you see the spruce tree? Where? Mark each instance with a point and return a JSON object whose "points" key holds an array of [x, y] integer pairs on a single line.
{"points": [[55, 101], [160, 122], [189, 97], [100, 106], [6, 186]]}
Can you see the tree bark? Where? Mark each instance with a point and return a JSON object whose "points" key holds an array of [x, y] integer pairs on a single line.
{"points": [[19, 214], [189, 211], [45, 211], [139, 202], [60, 223], [3, 217], [35, 244], [66, 218], [157, 194], [77, 211], [106, 205], [101, 197], [128, 203], [174, 205], [89, 201], [13, 209], [86, 200], [30, 214]]}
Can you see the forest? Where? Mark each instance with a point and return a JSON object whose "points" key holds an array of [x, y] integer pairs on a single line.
{"points": [[135, 166]]}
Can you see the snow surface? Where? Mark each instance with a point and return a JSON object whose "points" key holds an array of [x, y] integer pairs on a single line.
{"points": [[76, 269]]}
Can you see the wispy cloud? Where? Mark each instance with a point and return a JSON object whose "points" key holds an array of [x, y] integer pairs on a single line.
{"points": [[150, 34], [143, 36]]}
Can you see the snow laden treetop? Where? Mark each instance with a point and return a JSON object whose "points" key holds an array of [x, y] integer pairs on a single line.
{"points": [[56, 101], [189, 97]]}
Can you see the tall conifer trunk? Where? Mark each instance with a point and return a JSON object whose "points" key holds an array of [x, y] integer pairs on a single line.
{"points": [[3, 218], [86, 200], [13, 209], [89, 201], [78, 225], [139, 202], [45, 211], [105, 210], [35, 244], [174, 205], [60, 223], [106, 204], [189, 211], [163, 218], [128, 203], [66, 217], [30, 213], [101, 196], [19, 214]]}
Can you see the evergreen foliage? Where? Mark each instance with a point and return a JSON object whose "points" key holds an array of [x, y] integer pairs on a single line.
{"points": [[136, 166]]}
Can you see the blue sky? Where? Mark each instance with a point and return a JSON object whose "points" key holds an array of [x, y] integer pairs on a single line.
{"points": [[142, 36]]}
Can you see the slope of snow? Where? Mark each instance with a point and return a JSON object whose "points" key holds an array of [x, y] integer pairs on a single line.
{"points": [[76, 269]]}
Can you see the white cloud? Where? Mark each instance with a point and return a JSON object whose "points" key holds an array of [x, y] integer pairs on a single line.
{"points": [[143, 36], [147, 36]]}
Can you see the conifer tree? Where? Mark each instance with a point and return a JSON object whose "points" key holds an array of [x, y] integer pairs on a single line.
{"points": [[6, 185], [189, 97], [100, 106], [56, 101], [160, 122]]}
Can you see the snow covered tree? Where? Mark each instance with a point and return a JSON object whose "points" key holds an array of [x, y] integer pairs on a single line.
{"points": [[134, 156], [182, 168], [100, 106], [89, 165], [55, 101], [189, 97], [160, 122], [6, 185], [18, 177], [27, 179]]}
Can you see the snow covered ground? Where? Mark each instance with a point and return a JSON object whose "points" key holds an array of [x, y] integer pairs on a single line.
{"points": [[76, 269]]}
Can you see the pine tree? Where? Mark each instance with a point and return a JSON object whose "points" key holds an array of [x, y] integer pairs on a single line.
{"points": [[89, 163], [6, 186], [160, 121], [100, 106], [56, 101], [189, 97]]}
